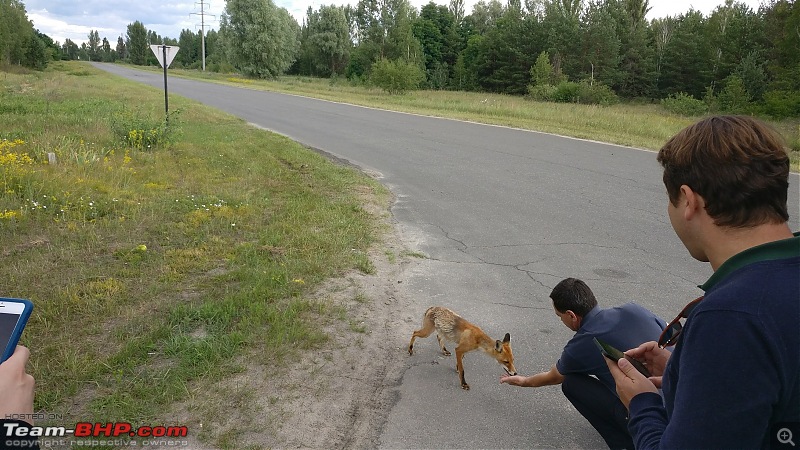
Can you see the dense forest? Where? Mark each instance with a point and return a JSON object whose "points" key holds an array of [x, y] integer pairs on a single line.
{"points": [[734, 59]]}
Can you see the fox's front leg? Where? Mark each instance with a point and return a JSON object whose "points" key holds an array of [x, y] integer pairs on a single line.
{"points": [[441, 345], [460, 368]]}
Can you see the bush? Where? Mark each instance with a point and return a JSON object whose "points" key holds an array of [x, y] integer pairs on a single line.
{"points": [[684, 104], [571, 92], [542, 92], [221, 67], [733, 98], [712, 105], [782, 104], [396, 77], [597, 94], [567, 92], [144, 132]]}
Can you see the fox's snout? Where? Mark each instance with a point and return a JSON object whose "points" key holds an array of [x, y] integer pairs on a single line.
{"points": [[504, 356]]}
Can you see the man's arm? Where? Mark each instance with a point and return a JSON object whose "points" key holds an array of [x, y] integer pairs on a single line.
{"points": [[726, 386], [549, 378]]}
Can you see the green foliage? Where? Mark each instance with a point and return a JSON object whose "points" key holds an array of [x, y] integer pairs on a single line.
{"points": [[754, 78], [542, 92], [504, 57], [684, 104], [36, 56], [19, 42], [190, 51], [141, 132], [572, 92], [710, 99], [687, 60], [597, 94], [602, 44], [328, 40], [396, 77], [782, 104], [137, 43], [435, 29], [734, 98], [567, 92], [493, 49], [384, 28], [464, 74], [438, 75], [221, 67], [261, 40], [542, 71], [361, 60]]}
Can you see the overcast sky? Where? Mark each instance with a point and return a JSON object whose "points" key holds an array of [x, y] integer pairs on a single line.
{"points": [[68, 19]]}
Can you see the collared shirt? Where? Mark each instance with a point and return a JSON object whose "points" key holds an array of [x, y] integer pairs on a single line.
{"points": [[785, 248], [623, 327]]}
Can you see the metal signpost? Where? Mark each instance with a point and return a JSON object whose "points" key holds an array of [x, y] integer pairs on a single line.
{"points": [[165, 54]]}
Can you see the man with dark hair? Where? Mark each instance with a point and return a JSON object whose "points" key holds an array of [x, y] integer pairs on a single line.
{"points": [[733, 380], [581, 371]]}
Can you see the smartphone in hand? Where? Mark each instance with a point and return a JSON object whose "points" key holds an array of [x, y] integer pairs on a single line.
{"points": [[14, 313], [613, 354]]}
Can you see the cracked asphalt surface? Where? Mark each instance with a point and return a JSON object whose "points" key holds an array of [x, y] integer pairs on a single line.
{"points": [[502, 215]]}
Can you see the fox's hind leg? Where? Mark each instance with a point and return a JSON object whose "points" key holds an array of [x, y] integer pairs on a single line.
{"points": [[427, 328], [441, 344], [460, 367]]}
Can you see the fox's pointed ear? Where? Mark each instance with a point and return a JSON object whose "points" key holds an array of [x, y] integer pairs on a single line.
{"points": [[498, 346], [507, 339]]}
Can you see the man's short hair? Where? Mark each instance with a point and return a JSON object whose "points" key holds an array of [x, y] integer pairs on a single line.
{"points": [[574, 295], [737, 164]]}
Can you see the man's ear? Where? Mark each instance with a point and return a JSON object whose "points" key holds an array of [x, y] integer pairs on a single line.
{"points": [[576, 319], [693, 202]]}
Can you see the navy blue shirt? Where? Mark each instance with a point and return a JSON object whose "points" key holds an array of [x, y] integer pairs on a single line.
{"points": [[735, 372], [623, 327]]}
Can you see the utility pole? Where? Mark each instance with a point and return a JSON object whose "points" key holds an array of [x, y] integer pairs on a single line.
{"points": [[203, 15]]}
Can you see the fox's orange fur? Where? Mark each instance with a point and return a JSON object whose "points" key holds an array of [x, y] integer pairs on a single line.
{"points": [[467, 337]]}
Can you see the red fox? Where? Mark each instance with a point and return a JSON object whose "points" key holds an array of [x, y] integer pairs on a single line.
{"points": [[468, 337]]}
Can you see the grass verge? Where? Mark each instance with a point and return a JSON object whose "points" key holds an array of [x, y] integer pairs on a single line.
{"points": [[157, 255]]}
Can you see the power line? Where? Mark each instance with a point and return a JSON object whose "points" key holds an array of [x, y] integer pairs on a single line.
{"points": [[203, 15]]}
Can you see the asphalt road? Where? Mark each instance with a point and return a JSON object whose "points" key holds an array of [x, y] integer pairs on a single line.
{"points": [[503, 215]]}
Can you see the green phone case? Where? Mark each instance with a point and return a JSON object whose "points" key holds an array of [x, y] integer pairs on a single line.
{"points": [[615, 355]]}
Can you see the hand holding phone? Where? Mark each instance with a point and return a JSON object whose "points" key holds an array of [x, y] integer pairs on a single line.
{"points": [[615, 355], [16, 388], [14, 314]]}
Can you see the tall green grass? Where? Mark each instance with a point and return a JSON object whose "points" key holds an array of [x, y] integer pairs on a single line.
{"points": [[156, 256]]}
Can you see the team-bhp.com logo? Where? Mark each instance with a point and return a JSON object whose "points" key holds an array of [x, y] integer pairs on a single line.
{"points": [[13, 431]]}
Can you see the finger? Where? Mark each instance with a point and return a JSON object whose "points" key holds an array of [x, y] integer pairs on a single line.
{"points": [[627, 368], [19, 358], [616, 372], [641, 350], [656, 381]]}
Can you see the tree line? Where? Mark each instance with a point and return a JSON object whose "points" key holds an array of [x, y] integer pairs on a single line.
{"points": [[735, 59]]}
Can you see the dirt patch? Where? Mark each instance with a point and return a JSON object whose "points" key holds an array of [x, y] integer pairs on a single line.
{"points": [[336, 396]]}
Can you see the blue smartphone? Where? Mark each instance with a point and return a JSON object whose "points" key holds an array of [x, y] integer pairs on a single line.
{"points": [[14, 314]]}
